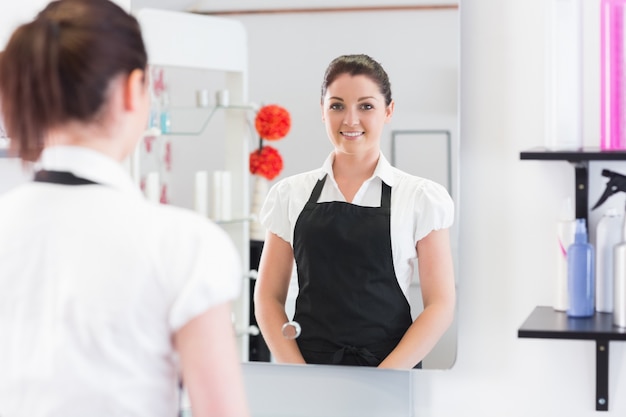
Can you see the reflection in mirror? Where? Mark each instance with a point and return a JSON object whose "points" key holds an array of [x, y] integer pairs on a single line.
{"points": [[421, 59], [291, 330], [419, 49]]}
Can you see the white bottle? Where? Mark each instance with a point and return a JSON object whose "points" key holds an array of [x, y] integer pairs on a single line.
{"points": [[565, 229], [619, 281], [564, 81], [608, 234]]}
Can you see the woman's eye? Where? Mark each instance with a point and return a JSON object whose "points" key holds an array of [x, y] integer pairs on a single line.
{"points": [[336, 106], [366, 106]]}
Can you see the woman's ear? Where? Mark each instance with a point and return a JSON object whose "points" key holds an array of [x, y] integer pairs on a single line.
{"points": [[389, 111], [135, 90]]}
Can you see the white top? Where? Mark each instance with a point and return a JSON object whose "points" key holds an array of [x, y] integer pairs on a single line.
{"points": [[94, 281], [418, 206]]}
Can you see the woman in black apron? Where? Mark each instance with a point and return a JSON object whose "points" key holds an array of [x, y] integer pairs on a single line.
{"points": [[350, 306], [94, 313]]}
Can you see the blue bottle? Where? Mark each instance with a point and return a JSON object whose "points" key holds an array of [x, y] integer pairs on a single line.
{"points": [[580, 274]]}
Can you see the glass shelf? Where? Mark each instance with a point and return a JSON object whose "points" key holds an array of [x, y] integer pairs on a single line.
{"points": [[236, 220], [191, 121]]}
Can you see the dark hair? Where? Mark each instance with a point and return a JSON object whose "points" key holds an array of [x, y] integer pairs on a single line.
{"points": [[58, 68], [358, 65]]}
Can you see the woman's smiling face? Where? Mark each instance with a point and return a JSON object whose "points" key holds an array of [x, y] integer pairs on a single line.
{"points": [[355, 113]]}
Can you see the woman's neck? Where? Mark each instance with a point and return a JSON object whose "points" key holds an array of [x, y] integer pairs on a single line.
{"points": [[86, 137], [355, 167], [351, 171]]}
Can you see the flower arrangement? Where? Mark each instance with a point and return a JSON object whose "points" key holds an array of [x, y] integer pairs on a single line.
{"points": [[272, 122]]}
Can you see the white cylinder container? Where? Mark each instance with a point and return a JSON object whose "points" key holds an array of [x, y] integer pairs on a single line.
{"points": [[608, 234], [222, 209], [201, 198], [619, 286], [565, 230], [153, 187], [564, 75]]}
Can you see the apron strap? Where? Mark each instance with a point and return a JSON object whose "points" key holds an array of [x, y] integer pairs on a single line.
{"points": [[317, 191], [385, 195], [61, 177]]}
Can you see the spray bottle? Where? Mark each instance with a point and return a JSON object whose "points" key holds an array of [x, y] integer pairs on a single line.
{"points": [[617, 183], [580, 273]]}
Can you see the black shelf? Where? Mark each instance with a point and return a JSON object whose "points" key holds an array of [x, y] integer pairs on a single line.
{"points": [[546, 323], [583, 155], [580, 159]]}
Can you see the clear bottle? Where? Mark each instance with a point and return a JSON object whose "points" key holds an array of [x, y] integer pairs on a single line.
{"points": [[580, 274], [608, 234], [564, 81], [565, 230]]}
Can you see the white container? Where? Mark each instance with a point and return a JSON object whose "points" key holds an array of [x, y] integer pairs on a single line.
{"points": [[619, 286], [564, 84], [201, 194], [608, 234], [619, 281], [152, 189], [221, 200], [565, 230]]}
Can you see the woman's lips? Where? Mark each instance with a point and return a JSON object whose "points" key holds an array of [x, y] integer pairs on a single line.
{"points": [[352, 135]]}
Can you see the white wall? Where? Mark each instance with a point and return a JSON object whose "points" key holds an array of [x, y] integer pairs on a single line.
{"points": [[507, 231], [507, 226]]}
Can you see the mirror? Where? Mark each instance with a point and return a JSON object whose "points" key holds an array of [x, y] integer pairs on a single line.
{"points": [[419, 49], [288, 52]]}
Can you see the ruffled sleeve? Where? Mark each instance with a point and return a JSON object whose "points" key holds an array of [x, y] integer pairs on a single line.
{"points": [[434, 209], [274, 214]]}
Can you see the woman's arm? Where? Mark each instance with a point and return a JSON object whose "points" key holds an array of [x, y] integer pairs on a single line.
{"points": [[270, 294], [437, 284], [210, 364]]}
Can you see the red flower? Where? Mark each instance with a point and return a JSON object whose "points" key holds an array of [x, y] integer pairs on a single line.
{"points": [[266, 162], [272, 122]]}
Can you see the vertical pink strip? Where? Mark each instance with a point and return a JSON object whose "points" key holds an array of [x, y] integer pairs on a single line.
{"points": [[613, 44], [605, 141], [612, 73], [617, 75]]}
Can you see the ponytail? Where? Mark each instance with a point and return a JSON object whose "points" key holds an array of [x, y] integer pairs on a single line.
{"points": [[58, 67]]}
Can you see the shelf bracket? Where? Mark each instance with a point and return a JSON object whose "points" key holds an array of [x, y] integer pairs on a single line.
{"points": [[582, 192], [602, 375]]}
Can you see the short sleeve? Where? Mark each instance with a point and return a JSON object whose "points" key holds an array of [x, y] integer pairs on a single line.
{"points": [[434, 209], [210, 270], [274, 214]]}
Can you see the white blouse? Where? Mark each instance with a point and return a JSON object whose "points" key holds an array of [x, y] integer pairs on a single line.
{"points": [[418, 206], [94, 282]]}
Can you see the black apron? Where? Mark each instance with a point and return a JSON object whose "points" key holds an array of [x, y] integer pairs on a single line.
{"points": [[350, 306], [61, 177]]}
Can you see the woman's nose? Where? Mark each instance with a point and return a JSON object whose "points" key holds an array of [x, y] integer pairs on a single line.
{"points": [[351, 118]]}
